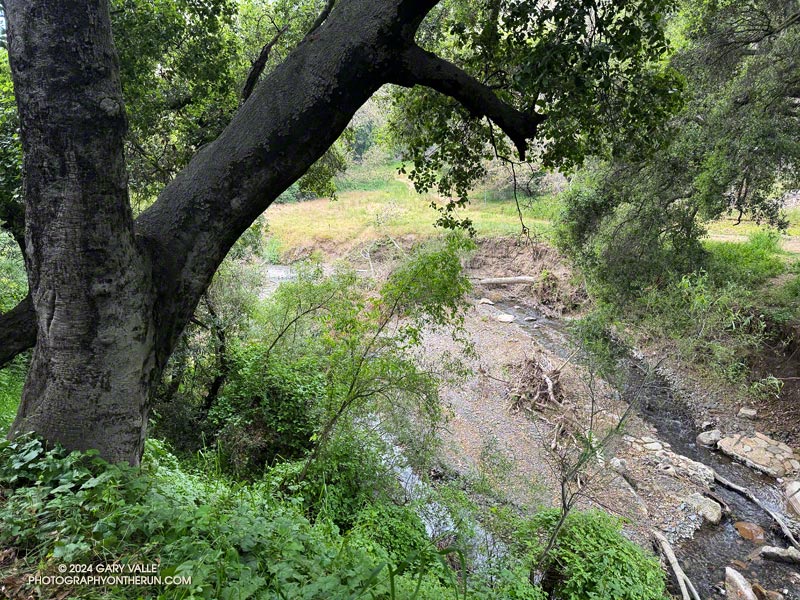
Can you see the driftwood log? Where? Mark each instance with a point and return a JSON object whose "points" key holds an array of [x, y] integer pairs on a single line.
{"points": [[688, 591], [507, 280], [752, 497]]}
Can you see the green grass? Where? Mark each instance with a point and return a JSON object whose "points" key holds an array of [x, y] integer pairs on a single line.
{"points": [[731, 226], [12, 378], [374, 202], [749, 263]]}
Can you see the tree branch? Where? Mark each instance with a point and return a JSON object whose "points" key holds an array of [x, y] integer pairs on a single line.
{"points": [[420, 67], [17, 330], [322, 16], [258, 65]]}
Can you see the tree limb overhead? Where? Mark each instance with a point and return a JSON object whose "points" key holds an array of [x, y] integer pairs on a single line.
{"points": [[420, 67]]}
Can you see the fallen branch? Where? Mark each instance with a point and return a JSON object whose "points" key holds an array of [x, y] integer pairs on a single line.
{"points": [[683, 580], [750, 496], [507, 280]]}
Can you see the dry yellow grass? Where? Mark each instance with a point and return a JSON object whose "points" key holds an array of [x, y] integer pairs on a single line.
{"points": [[358, 217], [377, 203]]}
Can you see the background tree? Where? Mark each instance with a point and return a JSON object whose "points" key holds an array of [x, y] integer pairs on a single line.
{"points": [[109, 296], [733, 149]]}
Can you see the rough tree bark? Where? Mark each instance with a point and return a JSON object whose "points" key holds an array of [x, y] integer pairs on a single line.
{"points": [[110, 297]]}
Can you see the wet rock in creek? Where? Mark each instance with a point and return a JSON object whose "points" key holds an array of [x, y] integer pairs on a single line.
{"points": [[793, 498], [737, 587], [761, 453], [750, 531], [709, 438], [763, 594], [707, 508], [787, 555]]}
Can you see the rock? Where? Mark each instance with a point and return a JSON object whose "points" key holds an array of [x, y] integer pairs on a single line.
{"points": [[787, 555], [759, 452], [709, 438], [737, 587], [620, 465], [676, 464], [485, 301], [649, 440], [763, 594], [653, 446], [707, 508], [793, 498], [749, 531], [505, 318], [748, 413]]}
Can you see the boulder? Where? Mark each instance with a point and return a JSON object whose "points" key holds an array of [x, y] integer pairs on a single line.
{"points": [[707, 508], [787, 555], [505, 318], [485, 301], [764, 594], [748, 413], [760, 452], [793, 498], [709, 438], [737, 587]]}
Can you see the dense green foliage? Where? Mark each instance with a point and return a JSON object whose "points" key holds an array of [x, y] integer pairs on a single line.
{"points": [[252, 541], [592, 68], [720, 320], [279, 377], [592, 561], [733, 149]]}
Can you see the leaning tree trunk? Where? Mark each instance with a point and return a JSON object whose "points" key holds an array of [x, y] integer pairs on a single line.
{"points": [[93, 364]]}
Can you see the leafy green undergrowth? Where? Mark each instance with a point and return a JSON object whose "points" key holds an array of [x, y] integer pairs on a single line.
{"points": [[593, 560], [233, 540], [256, 540], [718, 317]]}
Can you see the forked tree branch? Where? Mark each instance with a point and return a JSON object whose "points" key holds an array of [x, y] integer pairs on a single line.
{"points": [[259, 64], [322, 16], [420, 67]]}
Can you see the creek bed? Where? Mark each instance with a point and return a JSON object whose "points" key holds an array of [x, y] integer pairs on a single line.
{"points": [[713, 547]]}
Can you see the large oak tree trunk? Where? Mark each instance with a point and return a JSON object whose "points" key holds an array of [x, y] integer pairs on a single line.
{"points": [[93, 364]]}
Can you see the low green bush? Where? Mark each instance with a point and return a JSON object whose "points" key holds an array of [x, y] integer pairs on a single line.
{"points": [[268, 411], [234, 541], [592, 560]]}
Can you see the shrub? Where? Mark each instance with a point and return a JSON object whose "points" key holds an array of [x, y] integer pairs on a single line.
{"points": [[593, 561], [235, 542], [268, 410]]}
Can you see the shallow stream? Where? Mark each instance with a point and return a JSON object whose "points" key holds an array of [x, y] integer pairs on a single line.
{"points": [[713, 547]]}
